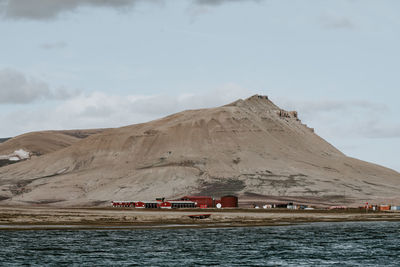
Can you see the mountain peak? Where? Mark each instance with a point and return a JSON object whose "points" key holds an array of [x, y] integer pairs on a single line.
{"points": [[260, 101]]}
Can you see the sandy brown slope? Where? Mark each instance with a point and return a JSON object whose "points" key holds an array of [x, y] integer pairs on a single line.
{"points": [[249, 148]]}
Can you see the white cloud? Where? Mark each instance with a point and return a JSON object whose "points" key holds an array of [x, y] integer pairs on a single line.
{"points": [[101, 110]]}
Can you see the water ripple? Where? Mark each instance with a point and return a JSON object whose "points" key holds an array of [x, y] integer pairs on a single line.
{"points": [[317, 244]]}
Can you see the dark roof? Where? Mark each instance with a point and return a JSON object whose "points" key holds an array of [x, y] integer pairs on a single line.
{"points": [[196, 197]]}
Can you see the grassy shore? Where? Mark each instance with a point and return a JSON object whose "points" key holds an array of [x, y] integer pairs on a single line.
{"points": [[12, 218]]}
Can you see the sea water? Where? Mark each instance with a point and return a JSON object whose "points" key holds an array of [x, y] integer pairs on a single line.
{"points": [[315, 244]]}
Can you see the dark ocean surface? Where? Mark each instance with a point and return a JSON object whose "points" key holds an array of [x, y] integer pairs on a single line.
{"points": [[316, 244]]}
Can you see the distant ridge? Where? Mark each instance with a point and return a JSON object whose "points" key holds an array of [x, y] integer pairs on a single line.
{"points": [[23, 147], [43, 142], [2, 140]]}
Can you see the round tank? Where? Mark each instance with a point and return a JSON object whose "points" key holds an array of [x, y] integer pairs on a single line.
{"points": [[229, 202]]}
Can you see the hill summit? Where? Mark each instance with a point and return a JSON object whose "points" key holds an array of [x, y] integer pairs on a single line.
{"points": [[250, 148]]}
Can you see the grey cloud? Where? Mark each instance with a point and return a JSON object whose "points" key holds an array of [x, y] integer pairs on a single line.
{"points": [[379, 129], [316, 108], [50, 9], [16, 88], [333, 22], [219, 2], [53, 46], [343, 106], [388, 132], [62, 93], [346, 118]]}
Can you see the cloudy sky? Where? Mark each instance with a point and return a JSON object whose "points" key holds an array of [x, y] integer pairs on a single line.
{"points": [[108, 63]]}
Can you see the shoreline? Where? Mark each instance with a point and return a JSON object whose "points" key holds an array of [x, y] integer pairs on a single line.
{"points": [[51, 218]]}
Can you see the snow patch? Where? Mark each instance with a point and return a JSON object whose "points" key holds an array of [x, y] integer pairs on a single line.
{"points": [[62, 171], [22, 154], [18, 155], [14, 158]]}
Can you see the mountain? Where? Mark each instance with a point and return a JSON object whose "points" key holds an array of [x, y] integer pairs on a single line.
{"points": [[250, 148]]}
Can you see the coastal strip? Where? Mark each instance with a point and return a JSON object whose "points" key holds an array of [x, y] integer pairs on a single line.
{"points": [[31, 218]]}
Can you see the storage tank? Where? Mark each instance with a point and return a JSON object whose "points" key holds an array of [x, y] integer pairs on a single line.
{"points": [[229, 201]]}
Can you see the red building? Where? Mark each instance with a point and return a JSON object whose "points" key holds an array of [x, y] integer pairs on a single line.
{"points": [[201, 201], [140, 204], [166, 205]]}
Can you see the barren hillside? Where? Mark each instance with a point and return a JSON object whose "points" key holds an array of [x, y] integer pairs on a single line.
{"points": [[251, 148]]}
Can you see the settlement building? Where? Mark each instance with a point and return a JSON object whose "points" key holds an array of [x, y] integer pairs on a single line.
{"points": [[183, 202]]}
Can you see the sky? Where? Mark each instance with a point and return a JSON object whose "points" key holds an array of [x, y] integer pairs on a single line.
{"points": [[82, 64]]}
